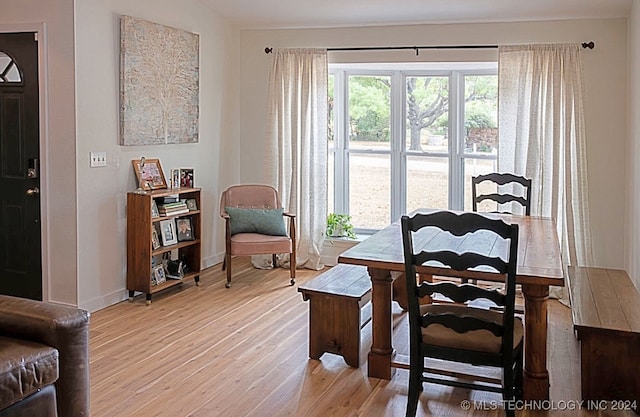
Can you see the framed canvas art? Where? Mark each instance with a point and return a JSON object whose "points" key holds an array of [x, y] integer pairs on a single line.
{"points": [[159, 84]]}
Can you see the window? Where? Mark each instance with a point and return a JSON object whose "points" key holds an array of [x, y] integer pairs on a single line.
{"points": [[9, 72], [404, 136]]}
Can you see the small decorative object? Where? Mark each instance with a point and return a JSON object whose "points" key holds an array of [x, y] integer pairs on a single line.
{"points": [[192, 204], [185, 229], [168, 232], [339, 225], [186, 177], [154, 208], [155, 238], [175, 178], [149, 174], [159, 274]]}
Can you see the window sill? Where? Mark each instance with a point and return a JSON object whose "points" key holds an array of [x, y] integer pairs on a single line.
{"points": [[334, 246]]}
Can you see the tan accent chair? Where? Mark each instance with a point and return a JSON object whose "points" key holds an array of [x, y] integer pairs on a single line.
{"points": [[256, 196]]}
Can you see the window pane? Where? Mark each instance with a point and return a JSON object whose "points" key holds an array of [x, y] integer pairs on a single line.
{"points": [[369, 194], [472, 168], [481, 114], [427, 182], [8, 69], [369, 112], [427, 114]]}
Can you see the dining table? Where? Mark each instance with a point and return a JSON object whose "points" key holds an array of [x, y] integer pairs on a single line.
{"points": [[539, 266]]}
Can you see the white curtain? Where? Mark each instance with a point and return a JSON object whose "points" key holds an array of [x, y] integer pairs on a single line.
{"points": [[542, 136], [296, 144]]}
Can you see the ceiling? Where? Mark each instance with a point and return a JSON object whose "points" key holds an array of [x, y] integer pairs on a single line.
{"points": [[281, 14]]}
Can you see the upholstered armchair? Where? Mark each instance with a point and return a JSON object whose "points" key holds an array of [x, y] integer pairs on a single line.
{"points": [[254, 225], [44, 359]]}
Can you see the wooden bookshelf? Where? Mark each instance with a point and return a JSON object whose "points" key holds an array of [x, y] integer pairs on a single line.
{"points": [[140, 251]]}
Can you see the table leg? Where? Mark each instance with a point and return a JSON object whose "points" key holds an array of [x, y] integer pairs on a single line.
{"points": [[536, 376], [400, 289], [381, 354]]}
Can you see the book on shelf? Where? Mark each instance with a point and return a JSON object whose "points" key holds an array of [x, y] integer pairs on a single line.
{"points": [[171, 198], [179, 204], [170, 209], [174, 212]]}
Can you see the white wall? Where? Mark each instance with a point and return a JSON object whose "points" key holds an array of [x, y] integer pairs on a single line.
{"points": [[102, 191], [632, 232], [57, 129], [605, 77]]}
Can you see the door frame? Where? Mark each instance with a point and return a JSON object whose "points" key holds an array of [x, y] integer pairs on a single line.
{"points": [[40, 30]]}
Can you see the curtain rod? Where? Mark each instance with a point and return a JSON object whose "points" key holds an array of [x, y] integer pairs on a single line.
{"points": [[268, 50]]}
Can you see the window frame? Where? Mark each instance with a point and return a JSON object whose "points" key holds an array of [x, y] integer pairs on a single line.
{"points": [[398, 153]]}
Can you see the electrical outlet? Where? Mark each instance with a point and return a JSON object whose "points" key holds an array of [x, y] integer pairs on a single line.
{"points": [[97, 159]]}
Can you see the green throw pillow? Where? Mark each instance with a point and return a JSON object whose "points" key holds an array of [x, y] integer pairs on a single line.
{"points": [[263, 221]]}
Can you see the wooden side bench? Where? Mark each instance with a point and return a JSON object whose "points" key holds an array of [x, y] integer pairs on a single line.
{"points": [[605, 307], [339, 306]]}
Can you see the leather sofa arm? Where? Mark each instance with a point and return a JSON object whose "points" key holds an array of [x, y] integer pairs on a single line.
{"points": [[64, 328]]}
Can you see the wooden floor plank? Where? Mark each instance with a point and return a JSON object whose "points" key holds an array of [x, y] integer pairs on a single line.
{"points": [[203, 351]]}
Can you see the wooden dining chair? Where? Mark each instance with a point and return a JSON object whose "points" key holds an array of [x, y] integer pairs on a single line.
{"points": [[510, 194], [254, 225], [460, 332], [505, 189]]}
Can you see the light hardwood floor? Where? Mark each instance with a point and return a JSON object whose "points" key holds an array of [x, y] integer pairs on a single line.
{"points": [[203, 351]]}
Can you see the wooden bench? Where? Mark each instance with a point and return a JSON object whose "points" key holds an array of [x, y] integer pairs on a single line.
{"points": [[605, 308], [339, 306]]}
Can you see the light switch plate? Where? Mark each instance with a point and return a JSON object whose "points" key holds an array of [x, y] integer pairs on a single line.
{"points": [[97, 159]]}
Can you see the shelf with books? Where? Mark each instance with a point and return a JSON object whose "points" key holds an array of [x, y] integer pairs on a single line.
{"points": [[152, 238]]}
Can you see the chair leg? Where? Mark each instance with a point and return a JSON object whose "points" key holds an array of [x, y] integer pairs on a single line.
{"points": [[507, 391], [415, 387], [512, 383], [224, 262], [518, 390], [292, 268], [228, 262]]}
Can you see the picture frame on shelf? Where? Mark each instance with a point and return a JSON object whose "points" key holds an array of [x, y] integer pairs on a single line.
{"points": [[175, 178], [184, 226], [168, 232], [174, 269], [155, 237], [154, 209], [149, 174], [186, 177], [159, 274], [192, 204]]}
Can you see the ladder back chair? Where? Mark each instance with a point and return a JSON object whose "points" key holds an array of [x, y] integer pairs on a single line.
{"points": [[460, 332], [519, 192]]}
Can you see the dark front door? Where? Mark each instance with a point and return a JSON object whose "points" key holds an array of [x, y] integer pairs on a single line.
{"points": [[20, 240]]}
